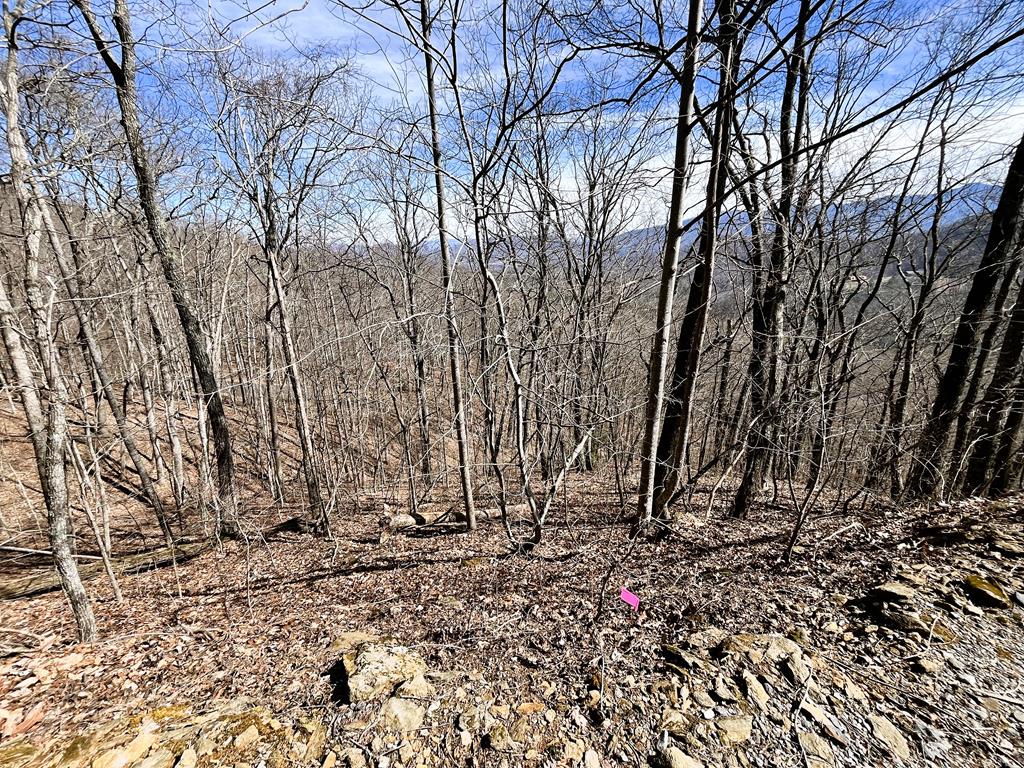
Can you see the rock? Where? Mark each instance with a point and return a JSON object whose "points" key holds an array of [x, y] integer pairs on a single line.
{"points": [[521, 729], [800, 635], [407, 753], [206, 744], [469, 719], [675, 722], [797, 669], [317, 739], [331, 760], [247, 738], [706, 639], [674, 757], [157, 758], [755, 691], [985, 593], [906, 620], [75, 755], [188, 759], [828, 723], [1008, 546], [349, 641], [681, 660], [499, 739], [934, 743], [927, 665], [854, 691], [530, 707], [757, 648], [591, 759], [574, 751], [817, 750], [735, 730], [376, 669], [701, 697], [724, 689], [890, 736], [416, 688], [967, 678], [892, 592], [402, 715], [667, 688], [778, 647], [132, 752]]}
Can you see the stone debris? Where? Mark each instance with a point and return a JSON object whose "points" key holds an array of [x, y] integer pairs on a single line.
{"points": [[375, 669], [893, 591], [674, 757], [817, 750], [985, 593], [710, 699], [890, 736]]}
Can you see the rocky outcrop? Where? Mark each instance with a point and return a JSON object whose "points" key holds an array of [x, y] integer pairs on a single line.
{"points": [[235, 733]]}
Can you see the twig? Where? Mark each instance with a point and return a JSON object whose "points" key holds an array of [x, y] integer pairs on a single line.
{"points": [[28, 551]]}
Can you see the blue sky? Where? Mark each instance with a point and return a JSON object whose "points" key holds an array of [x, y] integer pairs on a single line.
{"points": [[391, 71]]}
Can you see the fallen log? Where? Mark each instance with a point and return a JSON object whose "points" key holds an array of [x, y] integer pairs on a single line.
{"points": [[47, 581]]}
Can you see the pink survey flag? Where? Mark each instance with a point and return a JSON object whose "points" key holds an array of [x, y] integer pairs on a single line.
{"points": [[628, 597]]}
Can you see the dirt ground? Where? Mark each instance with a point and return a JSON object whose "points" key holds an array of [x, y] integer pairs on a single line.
{"points": [[257, 620]]}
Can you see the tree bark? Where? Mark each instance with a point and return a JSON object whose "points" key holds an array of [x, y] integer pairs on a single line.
{"points": [[318, 512], [671, 453], [669, 267], [995, 405], [49, 432], [925, 476], [454, 355], [123, 73], [770, 305]]}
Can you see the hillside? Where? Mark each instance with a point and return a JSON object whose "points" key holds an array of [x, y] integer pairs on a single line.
{"points": [[891, 636]]}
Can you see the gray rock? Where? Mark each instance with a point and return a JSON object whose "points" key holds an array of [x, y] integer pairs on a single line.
{"points": [[927, 665], [893, 591], [817, 750]]}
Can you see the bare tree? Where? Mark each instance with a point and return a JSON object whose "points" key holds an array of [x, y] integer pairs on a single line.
{"points": [[121, 62]]}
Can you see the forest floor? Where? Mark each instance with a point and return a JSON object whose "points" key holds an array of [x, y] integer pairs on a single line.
{"points": [[892, 638]]}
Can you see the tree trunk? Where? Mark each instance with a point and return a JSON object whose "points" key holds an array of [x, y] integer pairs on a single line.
{"points": [[925, 474], [671, 453], [454, 355], [123, 74], [770, 305], [49, 432], [318, 512], [964, 421], [669, 267], [996, 403], [1010, 455]]}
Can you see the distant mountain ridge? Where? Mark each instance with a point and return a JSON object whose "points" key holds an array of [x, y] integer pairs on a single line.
{"points": [[959, 204]]}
